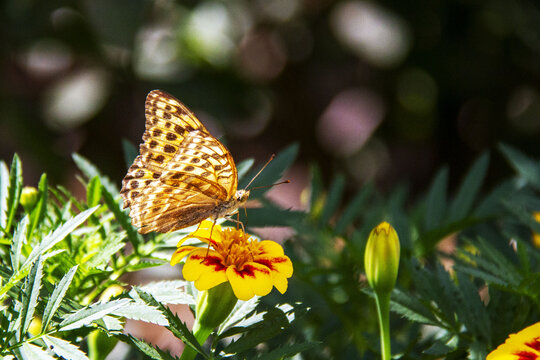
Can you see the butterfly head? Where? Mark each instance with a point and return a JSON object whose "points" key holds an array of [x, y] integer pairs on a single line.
{"points": [[241, 197]]}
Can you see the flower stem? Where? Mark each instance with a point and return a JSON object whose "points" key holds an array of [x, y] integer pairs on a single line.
{"points": [[383, 311], [201, 334]]}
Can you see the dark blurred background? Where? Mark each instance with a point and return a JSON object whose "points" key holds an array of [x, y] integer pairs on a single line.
{"points": [[383, 91]]}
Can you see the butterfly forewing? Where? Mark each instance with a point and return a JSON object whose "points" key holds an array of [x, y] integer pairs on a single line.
{"points": [[182, 175]]}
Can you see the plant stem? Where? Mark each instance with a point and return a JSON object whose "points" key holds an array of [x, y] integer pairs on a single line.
{"points": [[201, 334], [383, 311]]}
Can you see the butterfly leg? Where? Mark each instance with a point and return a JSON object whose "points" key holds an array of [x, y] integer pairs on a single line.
{"points": [[209, 240]]}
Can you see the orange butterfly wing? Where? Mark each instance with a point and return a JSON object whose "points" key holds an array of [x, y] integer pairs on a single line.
{"points": [[182, 175]]}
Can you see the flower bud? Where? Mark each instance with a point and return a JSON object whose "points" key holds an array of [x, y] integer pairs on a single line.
{"points": [[381, 258], [29, 197]]}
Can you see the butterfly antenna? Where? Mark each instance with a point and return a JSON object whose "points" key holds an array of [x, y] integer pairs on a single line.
{"points": [[267, 186], [260, 171]]}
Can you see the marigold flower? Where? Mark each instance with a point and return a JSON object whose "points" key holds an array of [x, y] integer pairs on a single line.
{"points": [[252, 267], [525, 345]]}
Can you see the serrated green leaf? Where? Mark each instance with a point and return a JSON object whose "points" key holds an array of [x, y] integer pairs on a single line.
{"points": [[30, 296], [354, 208], [29, 351], [274, 323], [113, 243], [90, 170], [176, 326], [463, 201], [411, 308], [14, 191], [271, 215], [167, 292], [87, 315], [64, 348], [436, 200], [93, 192], [39, 211], [59, 234], [57, 296], [333, 199], [526, 167], [472, 312], [142, 312], [130, 152], [133, 236], [239, 316], [146, 348], [16, 245], [275, 169]]}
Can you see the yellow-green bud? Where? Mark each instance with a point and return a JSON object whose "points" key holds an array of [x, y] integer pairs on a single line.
{"points": [[29, 197], [381, 258]]}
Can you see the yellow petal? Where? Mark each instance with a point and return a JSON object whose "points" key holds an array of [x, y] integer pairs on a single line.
{"points": [[209, 279], [205, 231], [280, 282], [241, 290], [253, 279], [280, 264], [180, 253], [272, 248], [201, 261], [518, 346]]}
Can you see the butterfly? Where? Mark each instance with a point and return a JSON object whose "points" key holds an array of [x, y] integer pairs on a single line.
{"points": [[182, 175]]}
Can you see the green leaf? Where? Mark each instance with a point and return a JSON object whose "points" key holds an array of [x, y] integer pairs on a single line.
{"points": [[146, 348], [32, 352], [113, 243], [30, 296], [333, 199], [39, 211], [287, 351], [141, 312], [472, 313], [64, 348], [176, 326], [123, 219], [93, 192], [270, 215], [353, 210], [167, 292], [130, 152], [90, 170], [526, 167], [412, 308], [14, 191], [275, 321], [59, 234], [57, 296], [275, 169], [436, 200], [468, 190], [87, 315], [16, 245]]}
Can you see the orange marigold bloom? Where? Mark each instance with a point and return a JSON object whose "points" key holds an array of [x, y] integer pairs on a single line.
{"points": [[252, 267], [525, 345]]}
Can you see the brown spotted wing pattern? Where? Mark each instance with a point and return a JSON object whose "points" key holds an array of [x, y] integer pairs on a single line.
{"points": [[183, 174]]}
